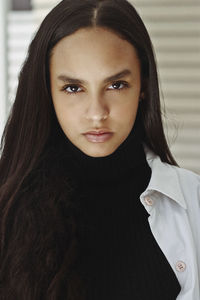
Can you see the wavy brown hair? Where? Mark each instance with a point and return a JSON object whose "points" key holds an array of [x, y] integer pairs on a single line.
{"points": [[39, 210]]}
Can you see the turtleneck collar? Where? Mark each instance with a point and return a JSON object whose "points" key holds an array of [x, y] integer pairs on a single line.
{"points": [[115, 167]]}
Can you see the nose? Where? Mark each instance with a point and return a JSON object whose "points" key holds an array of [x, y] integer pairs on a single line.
{"points": [[97, 110]]}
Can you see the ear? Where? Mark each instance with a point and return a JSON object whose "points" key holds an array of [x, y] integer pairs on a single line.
{"points": [[142, 95], [143, 89]]}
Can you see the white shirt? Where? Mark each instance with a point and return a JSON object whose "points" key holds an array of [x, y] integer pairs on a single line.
{"points": [[172, 199]]}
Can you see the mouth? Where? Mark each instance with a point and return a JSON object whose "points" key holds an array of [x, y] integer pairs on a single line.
{"points": [[98, 136]]}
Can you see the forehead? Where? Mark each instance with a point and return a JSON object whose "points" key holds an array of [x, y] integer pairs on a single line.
{"points": [[92, 55], [98, 43]]}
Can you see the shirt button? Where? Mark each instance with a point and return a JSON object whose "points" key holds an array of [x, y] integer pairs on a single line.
{"points": [[180, 266], [148, 201]]}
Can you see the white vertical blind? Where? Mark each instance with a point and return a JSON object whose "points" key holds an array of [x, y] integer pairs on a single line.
{"points": [[42, 7], [21, 27], [174, 26]]}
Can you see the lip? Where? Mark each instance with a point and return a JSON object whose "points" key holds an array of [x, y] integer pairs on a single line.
{"points": [[97, 132], [99, 136]]}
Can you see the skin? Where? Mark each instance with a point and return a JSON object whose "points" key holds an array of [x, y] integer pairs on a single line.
{"points": [[93, 54]]}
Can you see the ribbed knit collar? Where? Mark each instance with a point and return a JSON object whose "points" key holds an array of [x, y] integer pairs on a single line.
{"points": [[126, 159]]}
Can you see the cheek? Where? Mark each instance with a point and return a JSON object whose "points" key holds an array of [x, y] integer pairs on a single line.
{"points": [[63, 112], [69, 122], [66, 120], [126, 114]]}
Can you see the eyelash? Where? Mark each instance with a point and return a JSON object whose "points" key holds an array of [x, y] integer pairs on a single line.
{"points": [[126, 85]]}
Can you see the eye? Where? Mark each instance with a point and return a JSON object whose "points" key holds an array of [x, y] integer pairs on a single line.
{"points": [[119, 85], [73, 88]]}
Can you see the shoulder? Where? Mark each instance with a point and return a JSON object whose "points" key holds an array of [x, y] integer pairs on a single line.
{"points": [[189, 183], [187, 178], [177, 183], [184, 175]]}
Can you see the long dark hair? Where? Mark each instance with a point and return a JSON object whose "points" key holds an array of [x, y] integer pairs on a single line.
{"points": [[38, 240]]}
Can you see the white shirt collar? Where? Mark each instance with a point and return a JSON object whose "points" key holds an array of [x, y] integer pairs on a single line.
{"points": [[164, 178]]}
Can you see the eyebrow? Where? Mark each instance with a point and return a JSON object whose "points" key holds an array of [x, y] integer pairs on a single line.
{"points": [[123, 73]]}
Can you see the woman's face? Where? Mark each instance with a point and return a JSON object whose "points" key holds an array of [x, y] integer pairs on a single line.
{"points": [[95, 86]]}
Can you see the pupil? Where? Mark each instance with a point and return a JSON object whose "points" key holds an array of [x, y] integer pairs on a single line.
{"points": [[116, 84], [73, 88]]}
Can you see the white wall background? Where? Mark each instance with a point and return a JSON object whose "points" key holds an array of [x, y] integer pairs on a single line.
{"points": [[174, 26]]}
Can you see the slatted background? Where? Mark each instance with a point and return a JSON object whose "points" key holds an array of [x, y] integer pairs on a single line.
{"points": [[21, 27], [174, 27]]}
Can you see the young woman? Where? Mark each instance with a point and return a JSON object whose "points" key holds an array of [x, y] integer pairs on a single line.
{"points": [[92, 203]]}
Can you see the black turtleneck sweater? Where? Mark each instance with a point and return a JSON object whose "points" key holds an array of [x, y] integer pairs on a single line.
{"points": [[119, 257]]}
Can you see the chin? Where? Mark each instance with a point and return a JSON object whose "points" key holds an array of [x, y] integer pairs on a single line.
{"points": [[100, 153]]}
